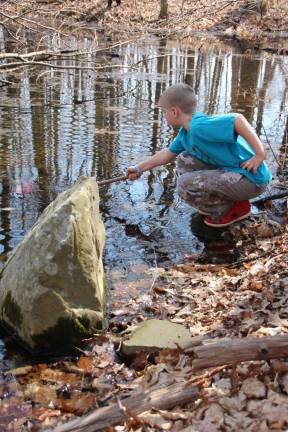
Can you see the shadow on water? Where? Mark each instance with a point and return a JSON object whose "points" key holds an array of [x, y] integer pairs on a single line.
{"points": [[71, 123], [219, 245]]}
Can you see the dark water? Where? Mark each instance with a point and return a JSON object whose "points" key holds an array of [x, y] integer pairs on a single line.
{"points": [[69, 123]]}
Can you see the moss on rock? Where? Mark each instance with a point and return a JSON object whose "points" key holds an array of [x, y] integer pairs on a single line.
{"points": [[65, 334], [12, 311]]}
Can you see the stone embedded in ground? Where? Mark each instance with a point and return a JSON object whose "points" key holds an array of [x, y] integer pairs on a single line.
{"points": [[52, 288], [253, 388], [154, 335]]}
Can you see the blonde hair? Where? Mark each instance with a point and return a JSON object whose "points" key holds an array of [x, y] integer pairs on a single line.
{"points": [[182, 96]]}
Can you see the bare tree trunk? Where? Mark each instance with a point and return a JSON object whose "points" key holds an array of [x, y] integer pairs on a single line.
{"points": [[163, 9]]}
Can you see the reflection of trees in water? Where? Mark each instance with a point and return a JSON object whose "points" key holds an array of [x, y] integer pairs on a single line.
{"points": [[56, 139], [5, 201], [245, 75], [269, 69], [283, 158], [215, 84]]}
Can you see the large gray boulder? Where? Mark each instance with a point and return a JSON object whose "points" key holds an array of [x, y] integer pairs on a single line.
{"points": [[52, 289]]}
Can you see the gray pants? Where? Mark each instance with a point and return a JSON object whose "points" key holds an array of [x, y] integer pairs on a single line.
{"points": [[210, 189]]}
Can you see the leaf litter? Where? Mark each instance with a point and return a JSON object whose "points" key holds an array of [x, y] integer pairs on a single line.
{"points": [[246, 298]]}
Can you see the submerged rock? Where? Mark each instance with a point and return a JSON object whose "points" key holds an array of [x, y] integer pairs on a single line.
{"points": [[52, 289], [154, 335]]}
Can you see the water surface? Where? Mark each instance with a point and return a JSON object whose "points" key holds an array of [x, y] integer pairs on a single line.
{"points": [[69, 123]]}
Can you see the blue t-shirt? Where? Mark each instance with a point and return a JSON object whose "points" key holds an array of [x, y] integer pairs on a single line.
{"points": [[212, 139]]}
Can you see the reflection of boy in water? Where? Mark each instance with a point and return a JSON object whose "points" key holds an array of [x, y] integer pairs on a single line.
{"points": [[118, 2], [220, 160]]}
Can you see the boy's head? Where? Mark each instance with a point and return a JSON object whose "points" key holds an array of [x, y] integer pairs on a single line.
{"points": [[178, 101]]}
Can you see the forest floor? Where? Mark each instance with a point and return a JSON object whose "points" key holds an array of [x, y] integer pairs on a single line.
{"points": [[241, 299], [253, 20]]}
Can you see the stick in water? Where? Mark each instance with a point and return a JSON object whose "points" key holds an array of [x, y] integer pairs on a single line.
{"points": [[112, 180]]}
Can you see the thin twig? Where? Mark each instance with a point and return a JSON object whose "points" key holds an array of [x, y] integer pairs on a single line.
{"points": [[5, 82], [155, 275], [17, 18], [271, 148], [36, 54], [21, 24]]}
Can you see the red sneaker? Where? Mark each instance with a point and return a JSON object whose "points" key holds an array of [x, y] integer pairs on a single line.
{"points": [[240, 210]]}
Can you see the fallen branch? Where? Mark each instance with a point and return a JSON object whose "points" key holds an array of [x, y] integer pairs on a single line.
{"points": [[39, 63], [140, 401], [66, 52], [5, 82], [271, 197], [43, 53], [239, 350], [227, 352], [38, 24], [20, 24]]}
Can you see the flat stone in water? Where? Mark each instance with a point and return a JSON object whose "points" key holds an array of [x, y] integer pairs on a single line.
{"points": [[154, 335]]}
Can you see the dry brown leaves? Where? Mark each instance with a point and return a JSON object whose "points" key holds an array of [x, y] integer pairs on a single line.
{"points": [[223, 301], [245, 298], [247, 17], [34, 397]]}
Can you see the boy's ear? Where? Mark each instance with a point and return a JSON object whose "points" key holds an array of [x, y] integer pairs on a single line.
{"points": [[176, 111]]}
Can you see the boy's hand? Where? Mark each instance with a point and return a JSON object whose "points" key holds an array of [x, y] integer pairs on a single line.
{"points": [[253, 163], [133, 172]]}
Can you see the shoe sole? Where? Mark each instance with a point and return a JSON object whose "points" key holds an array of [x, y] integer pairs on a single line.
{"points": [[228, 223], [203, 213]]}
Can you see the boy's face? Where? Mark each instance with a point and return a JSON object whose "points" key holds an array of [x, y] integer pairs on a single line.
{"points": [[172, 114]]}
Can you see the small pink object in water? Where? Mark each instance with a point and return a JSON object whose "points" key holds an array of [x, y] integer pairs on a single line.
{"points": [[23, 188]]}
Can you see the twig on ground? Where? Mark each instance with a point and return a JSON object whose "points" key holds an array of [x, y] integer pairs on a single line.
{"points": [[155, 275]]}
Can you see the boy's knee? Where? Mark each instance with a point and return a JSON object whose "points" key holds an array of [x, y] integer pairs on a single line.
{"points": [[192, 180], [188, 183]]}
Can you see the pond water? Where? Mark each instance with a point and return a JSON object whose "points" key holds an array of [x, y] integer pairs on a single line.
{"points": [[73, 122]]}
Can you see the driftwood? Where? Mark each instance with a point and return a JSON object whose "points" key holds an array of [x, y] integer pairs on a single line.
{"points": [[238, 350], [227, 352], [143, 400]]}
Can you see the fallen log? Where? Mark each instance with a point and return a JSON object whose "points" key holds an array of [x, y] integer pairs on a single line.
{"points": [[225, 352], [238, 350], [140, 401]]}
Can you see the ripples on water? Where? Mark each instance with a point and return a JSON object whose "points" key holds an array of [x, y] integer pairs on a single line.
{"points": [[72, 123]]}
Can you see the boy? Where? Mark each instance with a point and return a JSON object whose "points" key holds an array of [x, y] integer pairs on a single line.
{"points": [[220, 159]]}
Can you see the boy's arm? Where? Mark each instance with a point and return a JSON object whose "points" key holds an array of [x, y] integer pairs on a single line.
{"points": [[243, 128], [162, 157]]}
